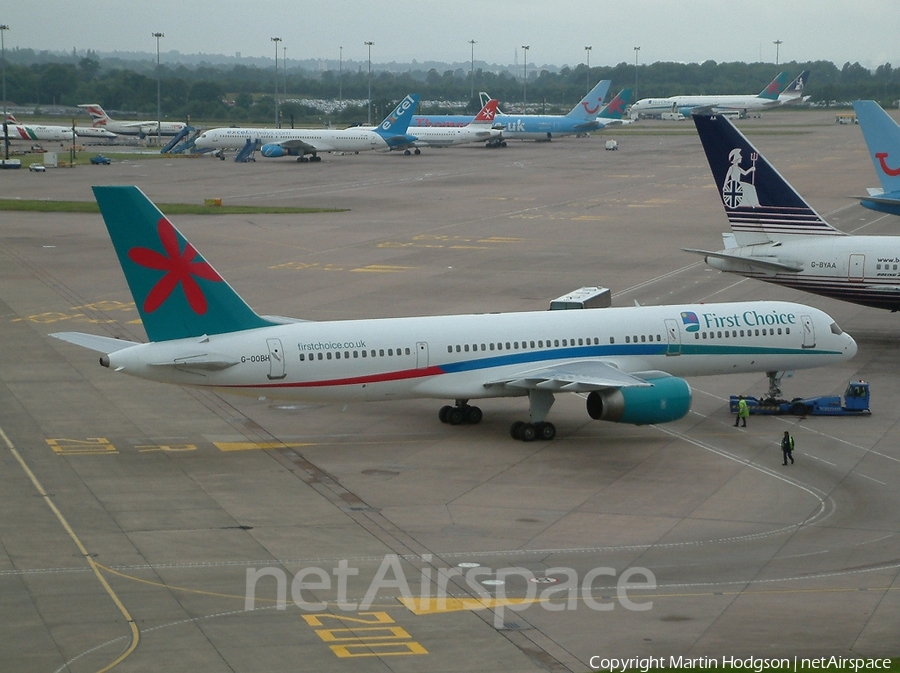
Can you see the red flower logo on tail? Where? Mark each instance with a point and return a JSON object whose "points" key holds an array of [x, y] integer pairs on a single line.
{"points": [[180, 267]]}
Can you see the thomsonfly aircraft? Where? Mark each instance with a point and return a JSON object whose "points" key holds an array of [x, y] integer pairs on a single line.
{"points": [[687, 105], [144, 128], [580, 119], [882, 136], [778, 238], [300, 142], [628, 361]]}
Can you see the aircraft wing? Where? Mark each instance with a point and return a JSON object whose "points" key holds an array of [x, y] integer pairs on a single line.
{"points": [[573, 377], [100, 344], [769, 265], [298, 144]]}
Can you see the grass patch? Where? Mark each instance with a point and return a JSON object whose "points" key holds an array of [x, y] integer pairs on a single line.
{"points": [[41, 206]]}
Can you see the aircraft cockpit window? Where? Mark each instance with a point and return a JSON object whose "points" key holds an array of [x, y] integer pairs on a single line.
{"points": [[835, 329]]}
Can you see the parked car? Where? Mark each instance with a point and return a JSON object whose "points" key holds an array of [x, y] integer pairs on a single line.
{"points": [[37, 168], [100, 159]]}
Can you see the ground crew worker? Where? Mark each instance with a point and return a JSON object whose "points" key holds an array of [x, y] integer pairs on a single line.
{"points": [[742, 412], [787, 447]]}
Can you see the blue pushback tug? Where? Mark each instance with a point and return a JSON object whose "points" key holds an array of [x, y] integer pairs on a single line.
{"points": [[855, 403]]}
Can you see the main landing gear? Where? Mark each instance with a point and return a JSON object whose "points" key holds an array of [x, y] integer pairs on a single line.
{"points": [[406, 153], [461, 413], [539, 403], [304, 159], [528, 432]]}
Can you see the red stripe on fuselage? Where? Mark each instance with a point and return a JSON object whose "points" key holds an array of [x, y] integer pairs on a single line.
{"points": [[352, 381]]}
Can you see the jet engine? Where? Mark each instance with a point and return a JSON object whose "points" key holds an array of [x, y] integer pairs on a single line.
{"points": [[667, 399], [274, 150]]}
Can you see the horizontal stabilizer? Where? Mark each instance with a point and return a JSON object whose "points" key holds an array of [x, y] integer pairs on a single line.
{"points": [[578, 376], [101, 344], [767, 265]]}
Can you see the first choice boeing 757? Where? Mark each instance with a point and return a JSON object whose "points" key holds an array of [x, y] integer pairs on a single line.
{"points": [[628, 361]]}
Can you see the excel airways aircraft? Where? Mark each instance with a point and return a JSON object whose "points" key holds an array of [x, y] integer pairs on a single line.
{"points": [[99, 119], [628, 361], [479, 130], [777, 236], [883, 140], [300, 142], [588, 115], [687, 105]]}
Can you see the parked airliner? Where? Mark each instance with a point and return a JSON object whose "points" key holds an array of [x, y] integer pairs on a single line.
{"points": [[777, 237], [687, 105], [628, 361], [389, 134], [45, 133], [882, 136], [480, 129], [143, 128], [588, 115]]}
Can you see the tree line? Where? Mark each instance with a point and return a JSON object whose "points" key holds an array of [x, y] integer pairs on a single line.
{"points": [[242, 93]]}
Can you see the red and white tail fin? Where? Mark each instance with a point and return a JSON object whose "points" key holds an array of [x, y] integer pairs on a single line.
{"points": [[488, 112], [98, 114], [11, 118]]}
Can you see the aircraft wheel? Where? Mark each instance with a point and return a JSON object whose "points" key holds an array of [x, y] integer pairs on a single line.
{"points": [[503, 144], [455, 416], [528, 432], [418, 151], [444, 413], [406, 153], [473, 415], [316, 158], [299, 160], [546, 431], [515, 429]]}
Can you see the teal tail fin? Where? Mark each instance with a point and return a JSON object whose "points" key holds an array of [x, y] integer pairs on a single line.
{"points": [[178, 294], [773, 88]]}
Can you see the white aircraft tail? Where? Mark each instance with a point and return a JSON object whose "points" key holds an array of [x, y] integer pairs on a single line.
{"points": [[97, 113]]}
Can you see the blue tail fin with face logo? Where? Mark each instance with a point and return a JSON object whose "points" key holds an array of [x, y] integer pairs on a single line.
{"points": [[590, 105], [760, 204], [882, 136], [178, 294]]}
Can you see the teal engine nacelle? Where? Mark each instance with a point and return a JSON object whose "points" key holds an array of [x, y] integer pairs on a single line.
{"points": [[274, 150], [668, 399]]}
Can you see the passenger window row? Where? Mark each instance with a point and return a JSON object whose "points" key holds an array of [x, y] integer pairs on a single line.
{"points": [[346, 355], [522, 345], [726, 334]]}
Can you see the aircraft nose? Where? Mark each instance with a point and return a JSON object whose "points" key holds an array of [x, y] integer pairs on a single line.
{"points": [[851, 346]]}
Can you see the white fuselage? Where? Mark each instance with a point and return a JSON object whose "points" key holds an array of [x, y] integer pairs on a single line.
{"points": [[471, 356], [139, 128], [357, 139], [437, 136], [714, 103], [860, 269], [32, 132]]}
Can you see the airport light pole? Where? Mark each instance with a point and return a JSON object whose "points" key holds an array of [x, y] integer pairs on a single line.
{"points": [[588, 76], [525, 48], [276, 40], [369, 117], [472, 95], [158, 98], [284, 68], [777, 44], [3, 29], [636, 51], [341, 77]]}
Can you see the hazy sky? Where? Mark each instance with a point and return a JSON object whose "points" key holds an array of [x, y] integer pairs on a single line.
{"points": [[556, 31]]}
